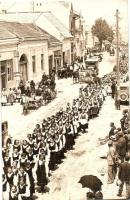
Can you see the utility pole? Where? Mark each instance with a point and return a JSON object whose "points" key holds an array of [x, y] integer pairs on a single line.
{"points": [[117, 52]]}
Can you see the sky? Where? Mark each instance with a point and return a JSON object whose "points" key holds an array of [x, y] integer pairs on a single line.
{"points": [[93, 9]]}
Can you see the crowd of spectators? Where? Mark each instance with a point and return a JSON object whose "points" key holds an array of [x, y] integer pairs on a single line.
{"points": [[119, 154], [30, 91]]}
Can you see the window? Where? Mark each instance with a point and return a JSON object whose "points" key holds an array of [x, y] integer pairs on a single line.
{"points": [[33, 64], [10, 70], [4, 11], [42, 61]]}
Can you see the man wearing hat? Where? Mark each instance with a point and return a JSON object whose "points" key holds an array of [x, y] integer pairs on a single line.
{"points": [[111, 157], [111, 132], [124, 177], [121, 146]]}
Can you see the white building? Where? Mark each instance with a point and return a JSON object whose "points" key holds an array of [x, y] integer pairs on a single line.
{"points": [[59, 16], [23, 52]]}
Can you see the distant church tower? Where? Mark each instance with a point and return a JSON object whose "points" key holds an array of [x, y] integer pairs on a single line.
{"points": [[38, 5]]}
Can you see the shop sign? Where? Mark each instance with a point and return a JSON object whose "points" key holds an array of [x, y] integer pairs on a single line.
{"points": [[16, 74]]}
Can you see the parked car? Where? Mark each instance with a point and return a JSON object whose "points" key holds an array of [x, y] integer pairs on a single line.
{"points": [[124, 93]]}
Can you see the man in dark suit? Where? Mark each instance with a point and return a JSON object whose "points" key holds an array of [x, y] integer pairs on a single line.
{"points": [[124, 177], [121, 146], [113, 89]]}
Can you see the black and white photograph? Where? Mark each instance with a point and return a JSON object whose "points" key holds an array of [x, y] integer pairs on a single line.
{"points": [[64, 81]]}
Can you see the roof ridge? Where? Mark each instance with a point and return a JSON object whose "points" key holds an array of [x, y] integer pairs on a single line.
{"points": [[7, 31]]}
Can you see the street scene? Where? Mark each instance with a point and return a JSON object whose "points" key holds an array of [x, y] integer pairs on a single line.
{"points": [[64, 100]]}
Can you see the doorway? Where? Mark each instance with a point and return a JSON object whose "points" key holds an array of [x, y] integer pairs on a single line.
{"points": [[23, 67], [50, 64]]}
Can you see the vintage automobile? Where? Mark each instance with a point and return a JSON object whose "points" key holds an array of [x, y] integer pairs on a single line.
{"points": [[92, 63], [89, 70], [124, 93], [99, 56]]}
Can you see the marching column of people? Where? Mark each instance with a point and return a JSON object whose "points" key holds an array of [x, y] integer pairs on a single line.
{"points": [[28, 164], [118, 157]]}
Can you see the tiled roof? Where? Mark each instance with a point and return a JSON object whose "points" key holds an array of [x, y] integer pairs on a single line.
{"points": [[26, 18], [21, 30], [58, 25], [5, 34]]}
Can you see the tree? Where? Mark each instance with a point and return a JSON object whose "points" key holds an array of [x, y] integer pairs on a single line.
{"points": [[102, 31]]}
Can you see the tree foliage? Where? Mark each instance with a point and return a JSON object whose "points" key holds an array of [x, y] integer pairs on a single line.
{"points": [[102, 30]]}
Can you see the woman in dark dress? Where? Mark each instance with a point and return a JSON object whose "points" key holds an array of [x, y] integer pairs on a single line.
{"points": [[17, 145], [25, 146], [14, 194], [30, 156], [68, 129], [53, 149], [24, 190], [22, 87], [28, 169], [24, 174], [7, 161], [10, 176], [35, 149], [15, 155], [31, 142], [23, 160], [15, 169], [41, 172], [57, 142], [38, 128]]}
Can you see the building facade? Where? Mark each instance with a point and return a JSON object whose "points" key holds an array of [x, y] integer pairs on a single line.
{"points": [[23, 55]]}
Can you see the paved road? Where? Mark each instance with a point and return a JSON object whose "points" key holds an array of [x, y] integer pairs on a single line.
{"points": [[107, 64], [20, 125]]}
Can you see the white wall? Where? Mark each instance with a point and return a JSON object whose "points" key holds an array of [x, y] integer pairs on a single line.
{"points": [[43, 23], [29, 49], [56, 8], [66, 47], [35, 49]]}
